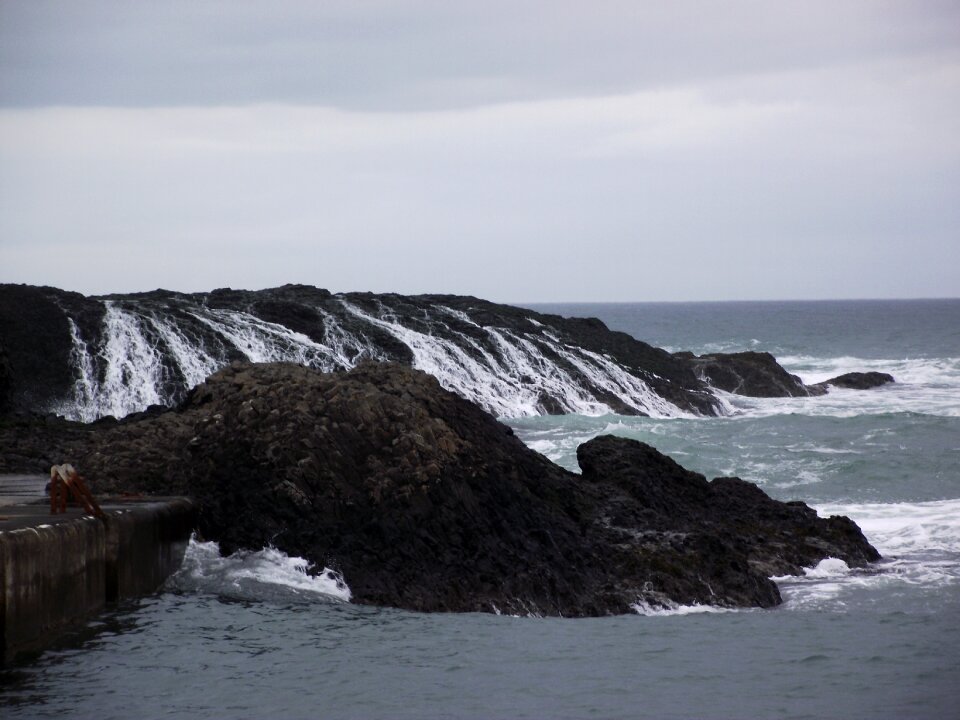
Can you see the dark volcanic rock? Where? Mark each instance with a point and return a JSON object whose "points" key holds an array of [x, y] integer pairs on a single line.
{"points": [[857, 381], [87, 357], [777, 538], [755, 374], [35, 335], [424, 501], [6, 384], [758, 374]]}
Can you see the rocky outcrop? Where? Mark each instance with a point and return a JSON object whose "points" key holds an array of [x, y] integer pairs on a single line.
{"points": [[6, 384], [758, 374], [857, 381], [89, 357], [35, 337], [754, 374], [424, 501], [773, 537]]}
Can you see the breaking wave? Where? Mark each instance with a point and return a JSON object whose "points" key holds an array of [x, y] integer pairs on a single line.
{"points": [[929, 386], [920, 543], [268, 574], [642, 607]]}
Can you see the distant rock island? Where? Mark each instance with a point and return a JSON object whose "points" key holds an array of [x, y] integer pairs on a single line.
{"points": [[92, 357], [424, 501]]}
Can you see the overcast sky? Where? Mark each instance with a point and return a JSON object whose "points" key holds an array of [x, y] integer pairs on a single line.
{"points": [[519, 151]]}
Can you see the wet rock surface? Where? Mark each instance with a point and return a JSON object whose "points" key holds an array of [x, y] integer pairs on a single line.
{"points": [[88, 357], [543, 360], [758, 374], [424, 501], [754, 374], [857, 381]]}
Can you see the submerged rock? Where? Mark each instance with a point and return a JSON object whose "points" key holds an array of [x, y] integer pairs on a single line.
{"points": [[424, 501]]}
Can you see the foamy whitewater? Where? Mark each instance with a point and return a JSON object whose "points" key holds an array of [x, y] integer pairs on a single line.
{"points": [[259, 634], [147, 358], [247, 575]]}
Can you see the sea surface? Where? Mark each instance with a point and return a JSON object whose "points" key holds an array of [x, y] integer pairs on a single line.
{"points": [[254, 636]]}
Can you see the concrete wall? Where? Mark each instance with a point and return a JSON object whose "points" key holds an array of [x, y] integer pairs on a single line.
{"points": [[59, 571], [145, 545], [53, 575]]}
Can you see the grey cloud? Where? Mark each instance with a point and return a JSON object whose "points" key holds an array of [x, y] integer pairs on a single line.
{"points": [[661, 195], [517, 151], [390, 55]]}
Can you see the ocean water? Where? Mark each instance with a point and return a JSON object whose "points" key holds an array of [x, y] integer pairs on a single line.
{"points": [[253, 635]]}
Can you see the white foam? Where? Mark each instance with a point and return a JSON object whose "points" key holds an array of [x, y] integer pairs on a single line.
{"points": [[244, 573], [923, 385], [263, 341], [844, 403], [142, 357], [462, 316], [897, 528], [86, 387], [524, 359], [828, 568], [134, 376], [911, 370], [345, 348], [511, 387], [134, 348], [920, 543], [641, 607], [928, 386], [195, 363], [802, 476], [487, 383], [133, 371], [605, 373], [821, 450]]}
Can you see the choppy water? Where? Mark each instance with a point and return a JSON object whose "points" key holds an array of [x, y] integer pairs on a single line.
{"points": [[252, 636]]}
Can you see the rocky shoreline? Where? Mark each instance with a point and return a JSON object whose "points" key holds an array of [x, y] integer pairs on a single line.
{"points": [[399, 479], [424, 501]]}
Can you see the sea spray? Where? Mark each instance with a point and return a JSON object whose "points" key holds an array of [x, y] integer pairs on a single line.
{"points": [[267, 574]]}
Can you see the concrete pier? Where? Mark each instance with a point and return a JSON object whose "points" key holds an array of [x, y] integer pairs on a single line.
{"points": [[57, 570]]}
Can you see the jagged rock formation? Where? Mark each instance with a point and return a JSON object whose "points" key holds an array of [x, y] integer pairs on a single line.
{"points": [[87, 358], [755, 374], [35, 340], [90, 357], [857, 381], [758, 374], [424, 501], [6, 389]]}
